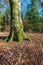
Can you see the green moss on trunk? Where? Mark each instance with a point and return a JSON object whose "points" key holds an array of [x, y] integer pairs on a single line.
{"points": [[16, 31]]}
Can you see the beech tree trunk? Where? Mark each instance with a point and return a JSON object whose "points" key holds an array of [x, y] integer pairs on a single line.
{"points": [[16, 26]]}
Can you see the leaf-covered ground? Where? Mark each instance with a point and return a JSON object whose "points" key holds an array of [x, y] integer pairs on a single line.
{"points": [[26, 53]]}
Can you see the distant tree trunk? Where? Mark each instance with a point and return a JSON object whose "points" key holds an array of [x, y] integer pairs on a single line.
{"points": [[16, 26]]}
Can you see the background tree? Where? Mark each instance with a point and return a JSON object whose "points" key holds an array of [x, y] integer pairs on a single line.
{"points": [[1, 16], [7, 18], [33, 15]]}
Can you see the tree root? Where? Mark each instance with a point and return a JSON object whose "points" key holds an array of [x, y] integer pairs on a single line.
{"points": [[21, 36], [25, 37]]}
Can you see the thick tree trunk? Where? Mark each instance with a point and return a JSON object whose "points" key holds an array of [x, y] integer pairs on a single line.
{"points": [[16, 31]]}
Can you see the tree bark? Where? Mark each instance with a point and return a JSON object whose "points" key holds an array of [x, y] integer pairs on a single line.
{"points": [[16, 26]]}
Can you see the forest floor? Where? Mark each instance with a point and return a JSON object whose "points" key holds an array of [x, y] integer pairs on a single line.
{"points": [[24, 53]]}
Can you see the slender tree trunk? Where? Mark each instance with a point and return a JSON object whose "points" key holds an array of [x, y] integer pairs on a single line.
{"points": [[16, 26]]}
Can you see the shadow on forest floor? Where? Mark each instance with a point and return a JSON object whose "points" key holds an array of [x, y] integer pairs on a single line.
{"points": [[3, 37]]}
